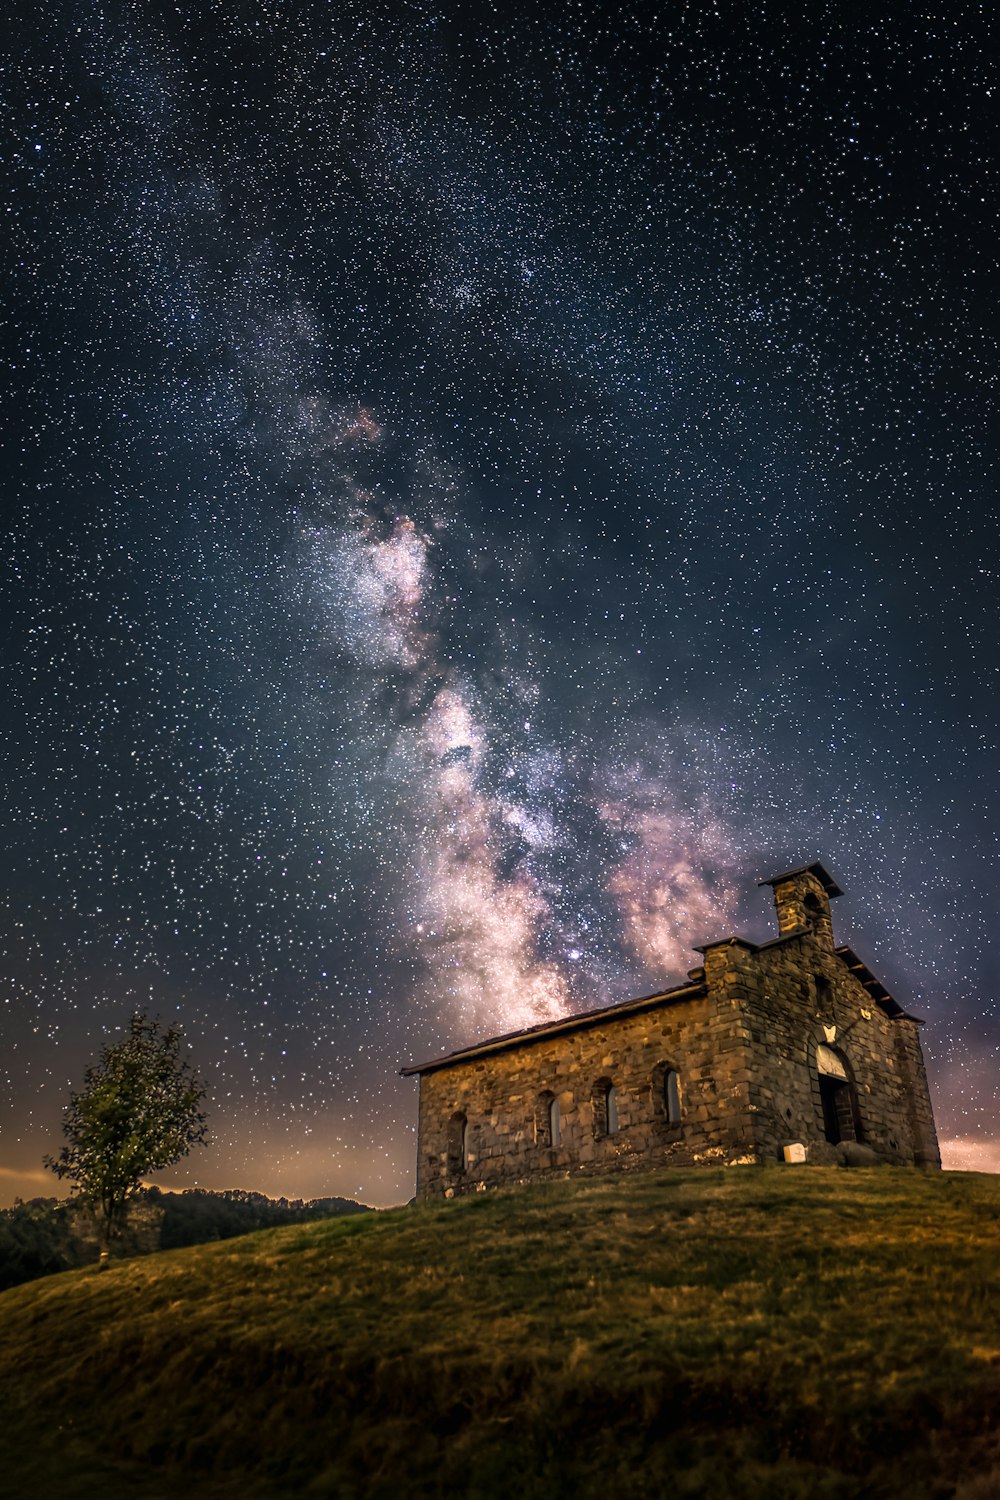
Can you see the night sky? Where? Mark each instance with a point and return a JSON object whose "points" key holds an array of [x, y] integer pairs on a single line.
{"points": [[483, 488]]}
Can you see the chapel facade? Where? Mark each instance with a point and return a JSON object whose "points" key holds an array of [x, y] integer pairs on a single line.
{"points": [[768, 1052]]}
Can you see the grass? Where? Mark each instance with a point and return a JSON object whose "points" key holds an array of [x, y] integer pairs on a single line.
{"points": [[767, 1335]]}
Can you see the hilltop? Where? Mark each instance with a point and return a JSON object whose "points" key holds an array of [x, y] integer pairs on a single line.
{"points": [[754, 1334]]}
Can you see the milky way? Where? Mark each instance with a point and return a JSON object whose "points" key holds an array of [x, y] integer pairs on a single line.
{"points": [[484, 490]]}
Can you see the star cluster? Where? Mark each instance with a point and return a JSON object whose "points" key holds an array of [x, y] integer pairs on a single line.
{"points": [[485, 488]]}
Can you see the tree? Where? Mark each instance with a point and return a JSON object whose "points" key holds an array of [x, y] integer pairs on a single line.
{"points": [[139, 1110]]}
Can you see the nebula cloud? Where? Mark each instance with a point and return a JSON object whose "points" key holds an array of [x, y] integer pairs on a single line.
{"points": [[523, 891], [478, 930], [486, 896], [475, 927], [372, 590], [666, 900]]}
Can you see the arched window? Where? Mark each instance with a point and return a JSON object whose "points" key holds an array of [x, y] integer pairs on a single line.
{"points": [[605, 1102], [666, 1094], [547, 1125], [458, 1142], [838, 1097], [672, 1097], [554, 1130]]}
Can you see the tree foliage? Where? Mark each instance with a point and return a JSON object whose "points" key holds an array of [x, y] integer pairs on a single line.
{"points": [[36, 1238], [140, 1110]]}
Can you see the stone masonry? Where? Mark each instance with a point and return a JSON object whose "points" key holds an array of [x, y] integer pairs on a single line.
{"points": [[767, 1045]]}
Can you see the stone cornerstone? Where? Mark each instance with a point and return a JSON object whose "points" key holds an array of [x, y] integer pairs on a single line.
{"points": [[768, 1048]]}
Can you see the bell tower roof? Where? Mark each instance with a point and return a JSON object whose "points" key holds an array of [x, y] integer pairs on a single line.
{"points": [[824, 877]]}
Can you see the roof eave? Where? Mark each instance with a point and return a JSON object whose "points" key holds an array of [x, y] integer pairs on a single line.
{"points": [[575, 1022], [874, 986], [823, 875]]}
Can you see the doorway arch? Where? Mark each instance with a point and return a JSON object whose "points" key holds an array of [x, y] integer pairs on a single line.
{"points": [[838, 1096]]}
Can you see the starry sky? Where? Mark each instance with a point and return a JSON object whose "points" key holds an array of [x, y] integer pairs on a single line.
{"points": [[484, 486]]}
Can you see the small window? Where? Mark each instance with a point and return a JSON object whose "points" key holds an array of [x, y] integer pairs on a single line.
{"points": [[604, 1099], [547, 1127], [554, 1131], [458, 1143], [666, 1094]]}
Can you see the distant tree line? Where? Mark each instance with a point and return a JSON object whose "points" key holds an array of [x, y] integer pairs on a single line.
{"points": [[46, 1235]]}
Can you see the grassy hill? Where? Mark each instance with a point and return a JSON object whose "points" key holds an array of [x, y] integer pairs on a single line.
{"points": [[765, 1335]]}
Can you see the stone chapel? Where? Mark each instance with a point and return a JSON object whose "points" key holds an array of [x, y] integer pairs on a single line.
{"points": [[768, 1052]]}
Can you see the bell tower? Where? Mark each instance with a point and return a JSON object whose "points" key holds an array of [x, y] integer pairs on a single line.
{"points": [[802, 900]]}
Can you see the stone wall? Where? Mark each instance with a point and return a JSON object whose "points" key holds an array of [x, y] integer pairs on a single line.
{"points": [[504, 1098], [742, 1040], [795, 996]]}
